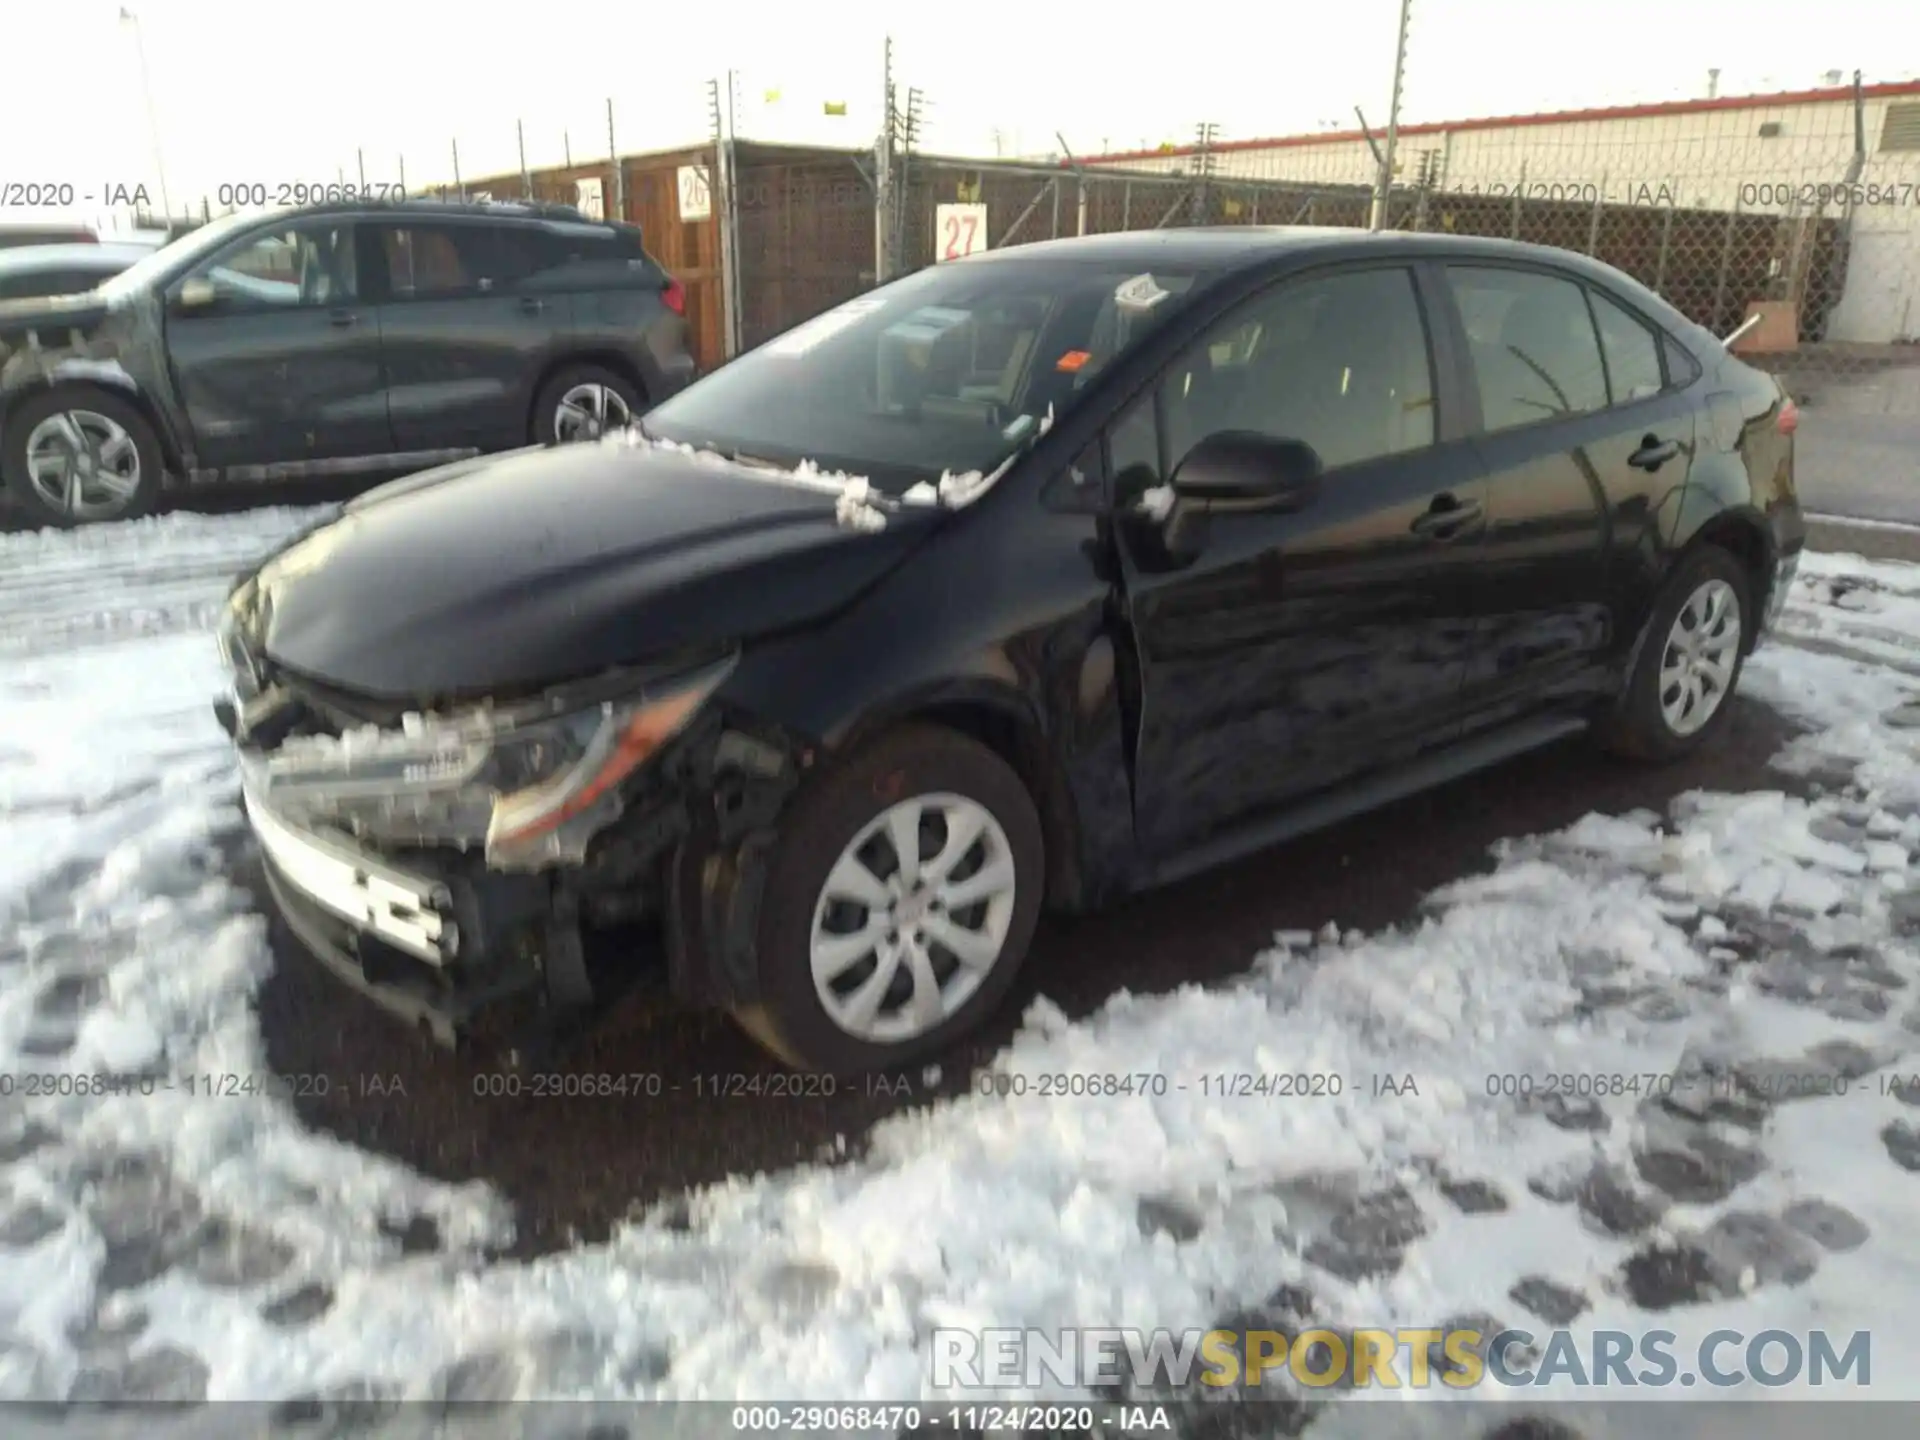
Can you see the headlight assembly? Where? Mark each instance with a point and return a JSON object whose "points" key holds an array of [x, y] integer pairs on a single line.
{"points": [[531, 785]]}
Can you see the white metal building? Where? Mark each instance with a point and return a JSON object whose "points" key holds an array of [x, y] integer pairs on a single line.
{"points": [[1786, 154]]}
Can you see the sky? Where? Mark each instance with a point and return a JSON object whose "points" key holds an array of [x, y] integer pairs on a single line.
{"points": [[245, 93]]}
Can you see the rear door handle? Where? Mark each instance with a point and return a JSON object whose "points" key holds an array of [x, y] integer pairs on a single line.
{"points": [[343, 319], [1653, 453], [532, 306], [1446, 517]]}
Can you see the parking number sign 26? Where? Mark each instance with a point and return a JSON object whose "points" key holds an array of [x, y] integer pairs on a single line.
{"points": [[959, 231]]}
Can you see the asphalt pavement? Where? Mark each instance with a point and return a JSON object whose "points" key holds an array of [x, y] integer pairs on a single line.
{"points": [[1858, 450]]}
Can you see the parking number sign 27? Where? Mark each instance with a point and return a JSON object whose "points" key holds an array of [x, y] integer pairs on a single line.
{"points": [[959, 231]]}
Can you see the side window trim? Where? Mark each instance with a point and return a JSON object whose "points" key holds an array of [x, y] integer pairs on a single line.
{"points": [[1614, 401]]}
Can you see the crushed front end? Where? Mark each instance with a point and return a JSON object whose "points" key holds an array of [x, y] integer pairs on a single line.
{"points": [[451, 862]]}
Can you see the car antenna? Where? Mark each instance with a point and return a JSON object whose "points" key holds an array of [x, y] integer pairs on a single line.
{"points": [[1745, 326]]}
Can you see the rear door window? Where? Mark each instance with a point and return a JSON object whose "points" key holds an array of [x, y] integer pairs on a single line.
{"points": [[1535, 353], [1632, 353], [428, 260]]}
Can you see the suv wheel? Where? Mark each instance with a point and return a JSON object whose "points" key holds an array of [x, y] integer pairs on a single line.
{"points": [[1689, 661], [901, 898], [584, 402], [79, 455]]}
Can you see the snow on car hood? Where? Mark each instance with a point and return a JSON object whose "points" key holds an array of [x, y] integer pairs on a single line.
{"points": [[543, 565]]}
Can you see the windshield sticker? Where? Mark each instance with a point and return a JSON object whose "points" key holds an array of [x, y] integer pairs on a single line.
{"points": [[1139, 293], [1071, 362], [810, 334], [928, 323]]}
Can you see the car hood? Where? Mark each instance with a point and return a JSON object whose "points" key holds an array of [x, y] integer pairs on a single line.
{"points": [[52, 312], [503, 575]]}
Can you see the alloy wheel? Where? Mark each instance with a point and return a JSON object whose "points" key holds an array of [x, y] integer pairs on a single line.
{"points": [[912, 918], [588, 411], [1696, 669], [83, 465]]}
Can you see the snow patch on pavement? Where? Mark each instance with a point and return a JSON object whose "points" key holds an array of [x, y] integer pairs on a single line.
{"points": [[156, 1239]]}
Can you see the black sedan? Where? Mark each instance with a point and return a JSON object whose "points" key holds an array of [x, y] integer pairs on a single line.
{"points": [[1026, 581]]}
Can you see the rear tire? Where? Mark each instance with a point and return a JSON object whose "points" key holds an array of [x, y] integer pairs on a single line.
{"points": [[585, 402], [840, 975], [1693, 650], [80, 455]]}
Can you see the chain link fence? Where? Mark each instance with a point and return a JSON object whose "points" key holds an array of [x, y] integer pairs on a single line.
{"points": [[1797, 216]]}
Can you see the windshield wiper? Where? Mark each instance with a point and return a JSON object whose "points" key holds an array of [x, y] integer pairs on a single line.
{"points": [[757, 462]]}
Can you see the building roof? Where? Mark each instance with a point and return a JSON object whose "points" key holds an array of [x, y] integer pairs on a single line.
{"points": [[1892, 90]]}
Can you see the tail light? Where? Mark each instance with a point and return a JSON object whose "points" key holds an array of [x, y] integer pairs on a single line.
{"points": [[1788, 420], [675, 296]]}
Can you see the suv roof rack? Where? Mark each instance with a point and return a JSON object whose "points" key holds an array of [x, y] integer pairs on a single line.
{"points": [[547, 209], [532, 209]]}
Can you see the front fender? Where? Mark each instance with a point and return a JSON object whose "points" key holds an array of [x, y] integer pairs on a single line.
{"points": [[34, 372]]}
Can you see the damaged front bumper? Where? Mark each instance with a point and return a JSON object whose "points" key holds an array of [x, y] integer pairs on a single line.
{"points": [[445, 867], [433, 939]]}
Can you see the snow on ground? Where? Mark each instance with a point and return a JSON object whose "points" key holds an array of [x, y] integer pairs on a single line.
{"points": [[1745, 949]]}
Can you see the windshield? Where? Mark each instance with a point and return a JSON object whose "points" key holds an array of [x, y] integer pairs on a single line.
{"points": [[164, 261], [948, 370]]}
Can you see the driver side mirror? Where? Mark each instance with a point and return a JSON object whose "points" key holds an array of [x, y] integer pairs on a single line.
{"points": [[197, 294], [1245, 470], [1237, 472]]}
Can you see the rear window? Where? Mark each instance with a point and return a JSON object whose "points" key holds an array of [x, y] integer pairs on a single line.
{"points": [[949, 370], [578, 257]]}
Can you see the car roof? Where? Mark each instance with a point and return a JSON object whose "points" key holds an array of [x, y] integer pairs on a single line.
{"points": [[107, 255], [429, 205], [1223, 249]]}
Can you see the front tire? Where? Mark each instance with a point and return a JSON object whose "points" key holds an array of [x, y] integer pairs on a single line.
{"points": [[584, 402], [901, 899], [1689, 661], [78, 455]]}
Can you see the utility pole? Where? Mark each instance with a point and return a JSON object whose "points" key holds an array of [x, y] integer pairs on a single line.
{"points": [[526, 177], [619, 170], [1384, 187], [909, 126], [459, 189], [883, 174], [128, 18], [1205, 136]]}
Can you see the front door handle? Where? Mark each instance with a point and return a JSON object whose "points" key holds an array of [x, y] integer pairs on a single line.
{"points": [[1653, 453], [343, 319], [1446, 517]]}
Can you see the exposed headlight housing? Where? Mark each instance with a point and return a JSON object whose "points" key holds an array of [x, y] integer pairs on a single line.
{"points": [[532, 785]]}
